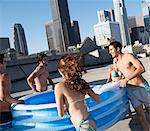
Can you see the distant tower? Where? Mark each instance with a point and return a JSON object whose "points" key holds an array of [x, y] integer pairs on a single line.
{"points": [[20, 40], [106, 15], [4, 43], [146, 13], [61, 33], [106, 29], [145, 7], [112, 13], [105, 32], [121, 17]]}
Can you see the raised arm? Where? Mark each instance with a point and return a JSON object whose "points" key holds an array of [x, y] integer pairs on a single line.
{"points": [[93, 95], [59, 100], [139, 68], [32, 76]]}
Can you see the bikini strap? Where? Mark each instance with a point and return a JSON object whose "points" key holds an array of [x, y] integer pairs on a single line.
{"points": [[83, 122]]}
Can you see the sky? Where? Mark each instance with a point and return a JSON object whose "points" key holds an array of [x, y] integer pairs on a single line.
{"points": [[34, 14]]}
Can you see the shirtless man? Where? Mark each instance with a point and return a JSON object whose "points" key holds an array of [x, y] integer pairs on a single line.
{"points": [[132, 70], [38, 79], [5, 98]]}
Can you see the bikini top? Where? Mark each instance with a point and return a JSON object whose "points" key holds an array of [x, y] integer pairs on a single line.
{"points": [[116, 74]]}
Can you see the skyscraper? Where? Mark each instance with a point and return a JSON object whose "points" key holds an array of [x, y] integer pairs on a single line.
{"points": [[54, 38], [63, 33], [146, 14], [145, 7], [106, 31], [4, 43], [106, 15], [20, 40], [121, 17]]}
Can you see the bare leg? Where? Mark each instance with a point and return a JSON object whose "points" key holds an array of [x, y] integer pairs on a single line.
{"points": [[142, 119]]}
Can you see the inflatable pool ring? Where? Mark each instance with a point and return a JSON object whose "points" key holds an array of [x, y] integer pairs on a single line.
{"points": [[40, 111]]}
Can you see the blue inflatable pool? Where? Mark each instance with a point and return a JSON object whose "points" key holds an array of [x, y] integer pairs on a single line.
{"points": [[40, 112], [6, 126]]}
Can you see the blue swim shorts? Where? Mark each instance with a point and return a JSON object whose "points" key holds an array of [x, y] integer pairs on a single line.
{"points": [[138, 95]]}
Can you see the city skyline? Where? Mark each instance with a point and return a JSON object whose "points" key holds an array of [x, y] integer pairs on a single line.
{"points": [[61, 31], [34, 14]]}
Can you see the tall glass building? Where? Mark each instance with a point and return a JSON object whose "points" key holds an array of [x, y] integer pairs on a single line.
{"points": [[4, 43], [20, 40], [121, 17], [61, 32], [106, 15], [146, 14], [105, 32], [145, 7]]}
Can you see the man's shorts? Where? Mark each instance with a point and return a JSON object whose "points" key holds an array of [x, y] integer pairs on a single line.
{"points": [[5, 117], [138, 95], [146, 86]]}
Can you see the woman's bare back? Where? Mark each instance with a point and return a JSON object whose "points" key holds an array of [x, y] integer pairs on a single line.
{"points": [[75, 103]]}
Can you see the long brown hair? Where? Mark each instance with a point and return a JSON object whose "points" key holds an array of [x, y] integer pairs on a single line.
{"points": [[69, 66]]}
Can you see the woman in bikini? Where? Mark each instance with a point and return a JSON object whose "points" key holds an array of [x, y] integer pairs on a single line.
{"points": [[114, 74], [70, 94]]}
